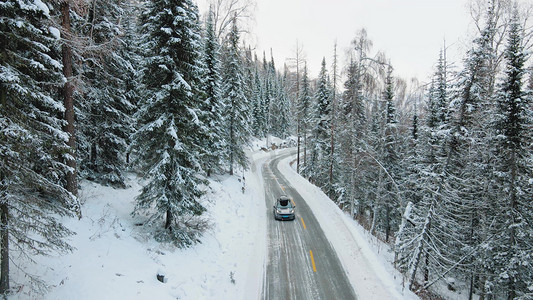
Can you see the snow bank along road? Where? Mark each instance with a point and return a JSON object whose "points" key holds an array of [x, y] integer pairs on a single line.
{"points": [[301, 263]]}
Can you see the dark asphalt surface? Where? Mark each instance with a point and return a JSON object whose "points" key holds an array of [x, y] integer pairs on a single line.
{"points": [[293, 246]]}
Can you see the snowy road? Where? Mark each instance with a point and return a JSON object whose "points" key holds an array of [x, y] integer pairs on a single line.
{"points": [[301, 262]]}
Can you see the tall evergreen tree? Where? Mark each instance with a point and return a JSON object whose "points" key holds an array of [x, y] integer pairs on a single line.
{"points": [[213, 105], [131, 53], [32, 196], [425, 228], [334, 157], [268, 97], [237, 106], [390, 159], [512, 146], [318, 167], [104, 109], [282, 111], [353, 120], [304, 111], [258, 118], [362, 103], [465, 194], [169, 142]]}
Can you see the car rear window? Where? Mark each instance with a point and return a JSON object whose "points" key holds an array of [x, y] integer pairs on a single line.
{"points": [[284, 203]]}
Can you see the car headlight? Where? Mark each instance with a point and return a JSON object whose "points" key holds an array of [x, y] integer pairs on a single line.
{"points": [[291, 211], [278, 211]]}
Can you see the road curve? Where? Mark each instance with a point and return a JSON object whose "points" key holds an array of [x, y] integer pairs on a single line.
{"points": [[301, 263]]}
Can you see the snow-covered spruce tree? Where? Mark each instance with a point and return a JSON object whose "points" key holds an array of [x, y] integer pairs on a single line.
{"points": [[258, 121], [131, 53], [373, 175], [168, 143], [367, 72], [215, 144], [237, 110], [268, 97], [249, 67], [104, 116], [420, 241], [465, 196], [352, 120], [512, 234], [335, 158], [281, 110], [320, 151], [390, 160], [304, 110], [32, 142]]}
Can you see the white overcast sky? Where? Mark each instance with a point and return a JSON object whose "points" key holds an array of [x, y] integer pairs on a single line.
{"points": [[410, 32]]}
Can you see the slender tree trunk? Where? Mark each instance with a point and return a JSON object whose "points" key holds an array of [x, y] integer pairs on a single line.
{"points": [[482, 288], [330, 192], [4, 233], [426, 265], [169, 219], [474, 278], [387, 221], [352, 195], [93, 154], [68, 91], [297, 101], [305, 147], [298, 155], [512, 235], [412, 280], [4, 251], [471, 289], [374, 215], [232, 145]]}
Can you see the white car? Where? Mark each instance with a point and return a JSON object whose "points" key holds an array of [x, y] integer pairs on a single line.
{"points": [[284, 208]]}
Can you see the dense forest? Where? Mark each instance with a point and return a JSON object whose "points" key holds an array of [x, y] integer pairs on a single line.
{"points": [[442, 170]]}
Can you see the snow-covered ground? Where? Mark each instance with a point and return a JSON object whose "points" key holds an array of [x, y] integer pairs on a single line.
{"points": [[115, 259]]}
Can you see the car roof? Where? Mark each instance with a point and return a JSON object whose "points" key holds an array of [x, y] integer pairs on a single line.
{"points": [[284, 197]]}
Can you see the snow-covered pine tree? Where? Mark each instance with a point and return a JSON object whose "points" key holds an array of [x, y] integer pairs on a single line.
{"points": [[237, 110], [280, 103], [352, 120], [335, 158], [465, 195], [367, 72], [420, 242], [304, 110], [213, 105], [168, 143], [258, 120], [104, 118], [390, 159], [320, 151], [249, 65], [268, 95], [131, 53], [32, 196], [373, 175], [282, 109], [512, 234]]}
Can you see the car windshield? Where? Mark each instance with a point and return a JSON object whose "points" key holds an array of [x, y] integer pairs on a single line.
{"points": [[284, 203]]}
